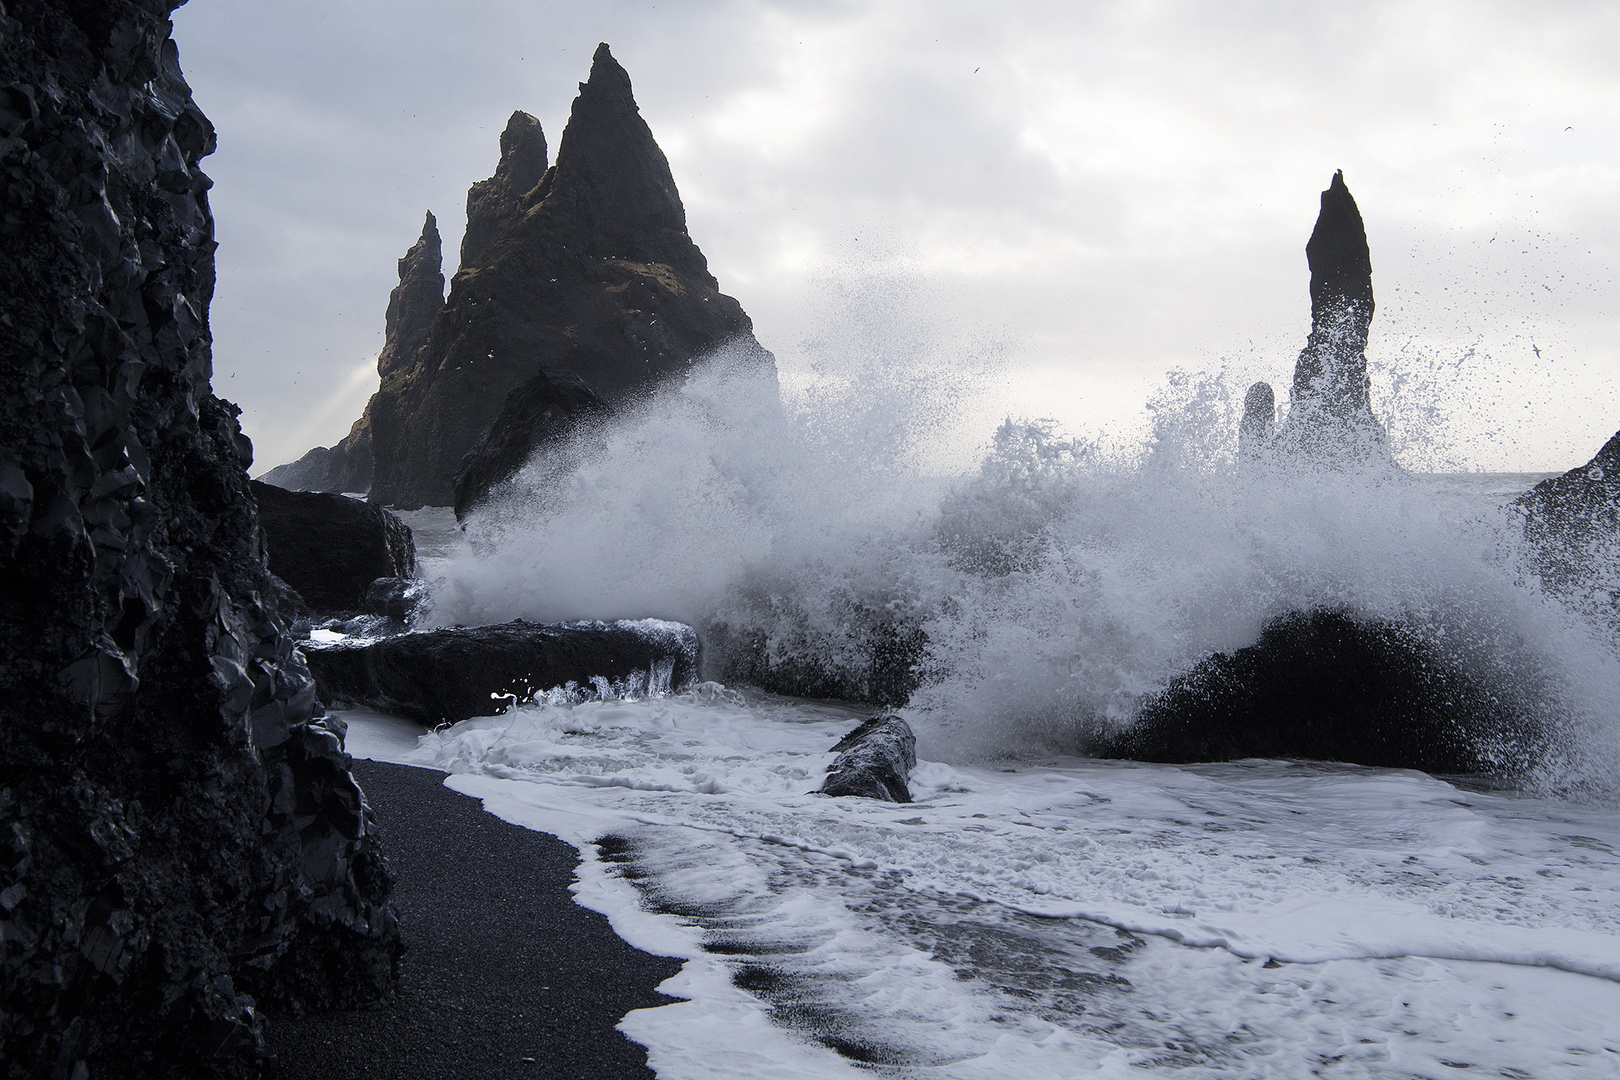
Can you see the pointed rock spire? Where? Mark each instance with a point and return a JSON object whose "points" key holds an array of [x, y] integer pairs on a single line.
{"points": [[610, 172], [1329, 408], [414, 301], [493, 204]]}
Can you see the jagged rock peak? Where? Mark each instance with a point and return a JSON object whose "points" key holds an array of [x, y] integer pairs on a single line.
{"points": [[611, 175], [493, 204], [415, 300], [608, 81]]}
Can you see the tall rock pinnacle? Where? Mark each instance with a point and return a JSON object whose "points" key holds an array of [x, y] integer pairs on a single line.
{"points": [[1330, 410], [493, 204], [416, 299], [585, 267], [412, 306]]}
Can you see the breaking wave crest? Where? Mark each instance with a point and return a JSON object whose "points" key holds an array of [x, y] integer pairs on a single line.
{"points": [[1036, 604]]}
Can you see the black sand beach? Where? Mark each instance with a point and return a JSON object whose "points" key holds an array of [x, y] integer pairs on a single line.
{"points": [[504, 974]]}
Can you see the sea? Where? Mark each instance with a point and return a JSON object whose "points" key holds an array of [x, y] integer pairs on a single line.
{"points": [[1035, 912]]}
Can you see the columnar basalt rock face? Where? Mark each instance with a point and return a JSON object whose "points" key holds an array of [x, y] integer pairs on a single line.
{"points": [[411, 307], [1329, 411], [590, 270], [179, 826]]}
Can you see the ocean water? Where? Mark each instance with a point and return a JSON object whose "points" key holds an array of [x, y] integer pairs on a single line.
{"points": [[1034, 912]]}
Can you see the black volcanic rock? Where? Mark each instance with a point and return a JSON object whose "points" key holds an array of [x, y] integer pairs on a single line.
{"points": [[539, 412], [1330, 412], [1259, 416], [874, 761], [449, 675], [1573, 525], [494, 205], [411, 308], [330, 548], [591, 270], [1329, 686], [180, 829]]}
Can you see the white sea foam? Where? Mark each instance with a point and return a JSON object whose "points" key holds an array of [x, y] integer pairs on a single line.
{"points": [[1057, 588], [1062, 917]]}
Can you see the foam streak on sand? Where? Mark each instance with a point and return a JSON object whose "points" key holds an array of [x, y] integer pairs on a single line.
{"points": [[1061, 917]]}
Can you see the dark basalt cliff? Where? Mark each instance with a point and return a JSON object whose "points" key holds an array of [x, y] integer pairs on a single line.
{"points": [[411, 308], [180, 829], [588, 269]]}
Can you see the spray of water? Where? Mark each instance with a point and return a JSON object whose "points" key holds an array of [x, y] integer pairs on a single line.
{"points": [[1036, 603]]}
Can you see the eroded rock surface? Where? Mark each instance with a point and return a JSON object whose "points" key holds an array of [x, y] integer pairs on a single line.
{"points": [[1330, 413], [874, 761], [331, 548], [178, 827], [589, 269], [444, 676], [1573, 525], [540, 412]]}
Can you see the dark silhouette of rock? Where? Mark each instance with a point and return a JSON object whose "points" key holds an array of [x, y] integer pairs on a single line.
{"points": [[441, 676], [1330, 686], [540, 412], [395, 597], [591, 270], [330, 548], [874, 761], [494, 205], [347, 467], [879, 655], [1329, 410], [1259, 417], [180, 829], [1573, 525]]}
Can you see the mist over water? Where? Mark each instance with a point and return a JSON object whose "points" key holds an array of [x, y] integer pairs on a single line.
{"points": [[1056, 587]]}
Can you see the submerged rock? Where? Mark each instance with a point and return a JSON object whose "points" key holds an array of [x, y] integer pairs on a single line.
{"points": [[874, 761], [347, 467], [444, 676], [539, 413], [331, 548], [589, 270], [180, 829], [1329, 686], [1330, 413]]}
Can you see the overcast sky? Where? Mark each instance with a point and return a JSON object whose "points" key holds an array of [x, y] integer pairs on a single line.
{"points": [[1045, 206]]}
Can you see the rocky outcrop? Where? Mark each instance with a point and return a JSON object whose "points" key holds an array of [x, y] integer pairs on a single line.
{"points": [[1572, 523], [1331, 686], [1330, 413], [874, 761], [180, 828], [444, 676], [589, 270], [1259, 416], [347, 467], [539, 413], [330, 548]]}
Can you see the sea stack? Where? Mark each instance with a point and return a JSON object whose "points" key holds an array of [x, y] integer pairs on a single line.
{"points": [[347, 467], [1329, 411], [179, 828], [584, 267]]}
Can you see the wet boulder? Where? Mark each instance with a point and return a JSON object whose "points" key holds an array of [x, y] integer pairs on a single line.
{"points": [[1330, 686], [449, 675], [330, 548], [1572, 523], [874, 761], [396, 598]]}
